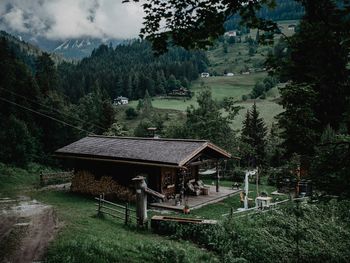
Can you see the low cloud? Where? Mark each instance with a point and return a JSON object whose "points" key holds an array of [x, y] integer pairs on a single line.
{"points": [[62, 19]]}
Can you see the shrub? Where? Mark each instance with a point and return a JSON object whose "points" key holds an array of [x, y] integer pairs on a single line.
{"points": [[244, 97], [142, 128], [271, 237], [130, 113], [238, 175], [164, 253]]}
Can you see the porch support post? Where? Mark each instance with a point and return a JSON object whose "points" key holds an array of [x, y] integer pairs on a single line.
{"points": [[217, 177], [141, 200], [182, 190]]}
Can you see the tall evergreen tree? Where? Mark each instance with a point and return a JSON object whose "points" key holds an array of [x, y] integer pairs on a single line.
{"points": [[331, 163], [254, 133], [317, 68], [207, 122], [146, 106]]}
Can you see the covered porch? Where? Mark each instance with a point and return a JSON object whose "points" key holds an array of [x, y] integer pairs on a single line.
{"points": [[195, 202]]}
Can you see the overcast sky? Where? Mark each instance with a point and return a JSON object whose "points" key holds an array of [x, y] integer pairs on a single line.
{"points": [[61, 19]]}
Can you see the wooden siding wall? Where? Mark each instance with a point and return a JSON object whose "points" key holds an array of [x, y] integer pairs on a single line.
{"points": [[165, 180], [122, 173]]}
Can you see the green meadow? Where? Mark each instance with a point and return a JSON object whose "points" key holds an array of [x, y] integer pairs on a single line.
{"points": [[223, 87], [235, 60]]}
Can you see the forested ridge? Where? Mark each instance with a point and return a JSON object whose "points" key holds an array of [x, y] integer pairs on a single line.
{"points": [[44, 106], [131, 69]]}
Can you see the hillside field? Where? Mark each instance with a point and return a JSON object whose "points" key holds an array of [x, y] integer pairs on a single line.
{"points": [[236, 59], [222, 87]]}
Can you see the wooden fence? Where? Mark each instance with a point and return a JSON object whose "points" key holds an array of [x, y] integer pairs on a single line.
{"points": [[55, 178], [271, 207], [121, 212]]}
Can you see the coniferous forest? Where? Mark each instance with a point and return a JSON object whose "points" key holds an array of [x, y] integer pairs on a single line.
{"points": [[35, 93]]}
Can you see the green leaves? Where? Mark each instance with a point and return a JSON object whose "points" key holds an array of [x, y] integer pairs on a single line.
{"points": [[196, 24], [331, 163]]}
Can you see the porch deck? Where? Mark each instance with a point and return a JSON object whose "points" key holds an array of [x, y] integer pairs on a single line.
{"points": [[195, 202]]}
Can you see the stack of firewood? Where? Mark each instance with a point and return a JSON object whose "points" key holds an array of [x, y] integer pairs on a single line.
{"points": [[85, 182]]}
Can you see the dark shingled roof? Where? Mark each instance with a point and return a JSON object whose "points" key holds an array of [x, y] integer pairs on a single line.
{"points": [[146, 150]]}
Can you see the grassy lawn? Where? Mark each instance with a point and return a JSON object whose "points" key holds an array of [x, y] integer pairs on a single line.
{"points": [[86, 238], [130, 125], [218, 210], [234, 86], [83, 237], [14, 180], [221, 87]]}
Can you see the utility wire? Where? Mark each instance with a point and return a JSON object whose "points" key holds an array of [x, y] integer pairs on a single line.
{"points": [[57, 111], [47, 116]]}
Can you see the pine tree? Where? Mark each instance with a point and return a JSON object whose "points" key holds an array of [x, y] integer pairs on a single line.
{"points": [[246, 131], [206, 121], [274, 151], [317, 68], [146, 107], [254, 134], [331, 163]]}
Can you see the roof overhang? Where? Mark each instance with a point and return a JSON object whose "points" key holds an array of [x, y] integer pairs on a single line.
{"points": [[107, 159], [223, 154]]}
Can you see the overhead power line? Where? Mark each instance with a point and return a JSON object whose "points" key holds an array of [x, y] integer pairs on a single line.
{"points": [[57, 111], [47, 116]]}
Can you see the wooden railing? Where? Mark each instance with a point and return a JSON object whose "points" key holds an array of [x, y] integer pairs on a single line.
{"points": [[115, 210], [271, 207], [55, 178]]}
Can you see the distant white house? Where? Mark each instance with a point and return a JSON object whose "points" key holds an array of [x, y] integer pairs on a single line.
{"points": [[121, 100], [205, 75], [291, 27], [231, 33], [230, 74]]}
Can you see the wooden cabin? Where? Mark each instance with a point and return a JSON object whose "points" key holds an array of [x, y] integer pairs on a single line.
{"points": [[167, 164]]}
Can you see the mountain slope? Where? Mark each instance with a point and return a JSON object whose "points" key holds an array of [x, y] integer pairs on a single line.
{"points": [[81, 47]]}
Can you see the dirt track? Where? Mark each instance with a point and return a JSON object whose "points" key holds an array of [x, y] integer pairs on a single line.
{"points": [[26, 228]]}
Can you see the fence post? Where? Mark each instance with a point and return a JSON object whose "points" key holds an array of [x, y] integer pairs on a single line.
{"points": [[99, 206], [217, 179], [231, 212], [141, 201], [126, 214]]}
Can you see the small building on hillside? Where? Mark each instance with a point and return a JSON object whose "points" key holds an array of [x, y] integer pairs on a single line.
{"points": [[121, 101], [205, 75], [230, 74], [169, 165], [181, 92], [231, 33], [291, 27]]}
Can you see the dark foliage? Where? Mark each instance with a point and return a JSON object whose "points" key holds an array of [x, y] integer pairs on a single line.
{"points": [[129, 70], [295, 233], [331, 164], [254, 133]]}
